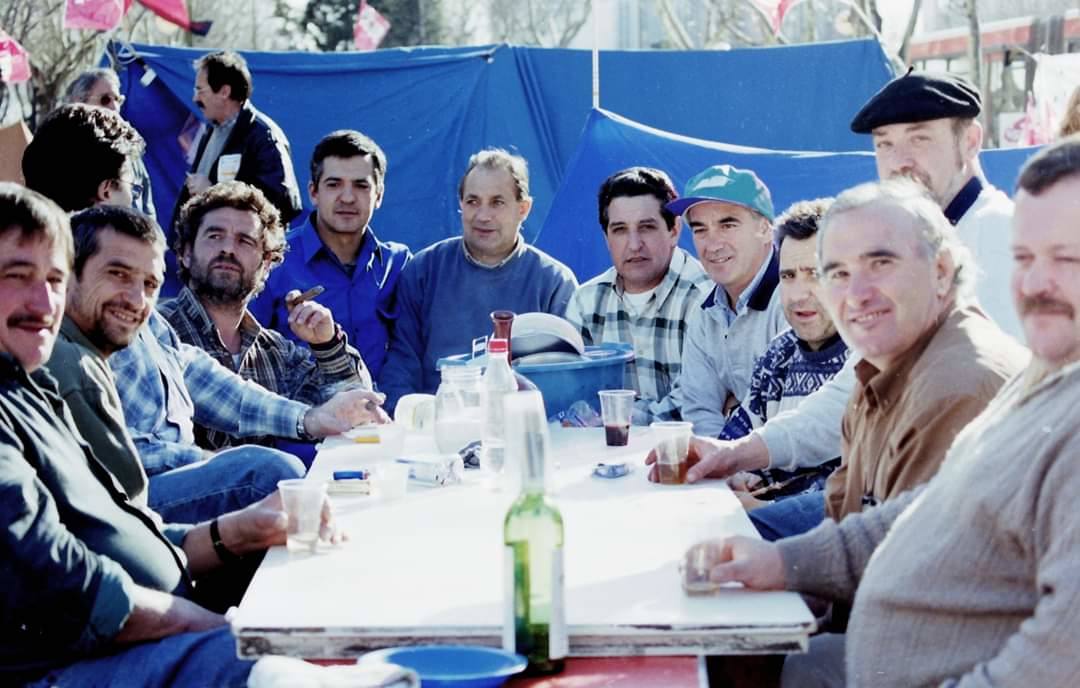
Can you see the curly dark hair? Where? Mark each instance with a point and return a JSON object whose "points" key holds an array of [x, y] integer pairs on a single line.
{"points": [[93, 142], [800, 220], [236, 195]]}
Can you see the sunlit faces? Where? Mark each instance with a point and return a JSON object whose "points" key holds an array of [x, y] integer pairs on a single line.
{"points": [[879, 286], [929, 152], [346, 195], [491, 213], [639, 241], [33, 284], [226, 260], [731, 242], [798, 287], [214, 105], [1046, 270], [118, 287]]}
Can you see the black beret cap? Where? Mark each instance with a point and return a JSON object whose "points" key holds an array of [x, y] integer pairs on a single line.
{"points": [[918, 97]]}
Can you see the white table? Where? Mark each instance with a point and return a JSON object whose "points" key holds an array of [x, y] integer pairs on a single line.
{"points": [[428, 568]]}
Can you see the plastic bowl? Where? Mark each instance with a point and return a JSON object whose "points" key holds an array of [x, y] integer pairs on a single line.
{"points": [[456, 666]]}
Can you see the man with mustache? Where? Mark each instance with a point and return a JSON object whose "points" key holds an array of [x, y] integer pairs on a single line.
{"points": [[653, 285], [971, 579], [227, 240], [241, 143]]}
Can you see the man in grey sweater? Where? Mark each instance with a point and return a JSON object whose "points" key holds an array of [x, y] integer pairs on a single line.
{"points": [[969, 580]]}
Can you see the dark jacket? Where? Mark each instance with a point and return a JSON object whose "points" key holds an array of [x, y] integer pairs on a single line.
{"points": [[71, 544], [265, 161]]}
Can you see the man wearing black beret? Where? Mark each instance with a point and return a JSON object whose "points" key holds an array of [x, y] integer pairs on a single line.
{"points": [[925, 126]]}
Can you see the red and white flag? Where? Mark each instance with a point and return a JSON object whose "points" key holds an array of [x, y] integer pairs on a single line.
{"points": [[175, 12], [96, 15], [14, 60], [371, 27]]}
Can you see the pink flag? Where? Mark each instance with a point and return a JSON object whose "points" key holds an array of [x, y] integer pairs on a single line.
{"points": [[174, 11], [14, 60], [776, 9], [371, 27], [96, 15]]}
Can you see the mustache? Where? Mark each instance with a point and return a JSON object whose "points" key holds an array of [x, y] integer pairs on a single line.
{"points": [[28, 319], [225, 260], [1039, 304]]}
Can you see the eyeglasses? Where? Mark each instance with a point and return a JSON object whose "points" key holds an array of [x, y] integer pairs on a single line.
{"points": [[136, 189], [110, 99]]}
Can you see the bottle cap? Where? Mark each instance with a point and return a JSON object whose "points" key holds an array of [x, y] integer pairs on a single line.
{"points": [[498, 346]]}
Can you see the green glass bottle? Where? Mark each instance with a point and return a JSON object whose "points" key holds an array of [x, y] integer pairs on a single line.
{"points": [[535, 622]]}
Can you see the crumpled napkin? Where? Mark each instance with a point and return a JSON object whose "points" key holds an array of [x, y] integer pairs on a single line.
{"points": [[287, 672]]}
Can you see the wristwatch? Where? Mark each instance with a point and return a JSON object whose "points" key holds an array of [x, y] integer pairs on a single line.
{"points": [[301, 429], [223, 552]]}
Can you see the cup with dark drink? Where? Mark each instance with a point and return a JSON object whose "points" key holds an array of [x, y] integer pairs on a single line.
{"points": [[616, 407], [672, 446]]}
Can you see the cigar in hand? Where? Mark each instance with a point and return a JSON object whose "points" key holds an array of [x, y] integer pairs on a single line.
{"points": [[306, 296]]}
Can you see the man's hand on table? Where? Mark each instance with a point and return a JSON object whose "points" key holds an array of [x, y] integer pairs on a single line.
{"points": [[264, 524], [713, 458], [344, 411], [754, 563]]}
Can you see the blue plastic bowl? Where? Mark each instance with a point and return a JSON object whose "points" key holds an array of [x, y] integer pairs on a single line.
{"points": [[603, 367], [459, 666]]}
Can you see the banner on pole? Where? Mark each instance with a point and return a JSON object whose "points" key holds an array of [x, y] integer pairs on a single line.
{"points": [[371, 27]]}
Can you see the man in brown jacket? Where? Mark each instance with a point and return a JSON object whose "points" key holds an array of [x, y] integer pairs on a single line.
{"points": [[894, 279]]}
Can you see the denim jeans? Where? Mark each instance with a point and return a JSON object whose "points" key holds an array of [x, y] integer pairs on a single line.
{"points": [[207, 658], [789, 516], [228, 481]]}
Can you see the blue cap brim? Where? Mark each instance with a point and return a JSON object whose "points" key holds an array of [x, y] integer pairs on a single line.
{"points": [[680, 205]]}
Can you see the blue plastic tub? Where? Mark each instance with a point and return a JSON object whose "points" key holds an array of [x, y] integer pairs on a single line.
{"points": [[605, 367]]}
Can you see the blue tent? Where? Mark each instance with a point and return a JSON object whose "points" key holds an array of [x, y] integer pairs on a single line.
{"points": [[609, 143], [430, 108]]}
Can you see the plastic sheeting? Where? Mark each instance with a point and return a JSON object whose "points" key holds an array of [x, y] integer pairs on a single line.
{"points": [[610, 143], [430, 108]]}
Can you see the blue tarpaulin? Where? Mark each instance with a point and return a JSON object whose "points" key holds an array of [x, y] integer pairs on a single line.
{"points": [[610, 143], [430, 108]]}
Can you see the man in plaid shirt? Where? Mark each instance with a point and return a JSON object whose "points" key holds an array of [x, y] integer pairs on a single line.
{"points": [[227, 240], [653, 285]]}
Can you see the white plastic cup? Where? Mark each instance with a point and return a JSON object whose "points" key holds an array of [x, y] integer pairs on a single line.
{"points": [[672, 447], [303, 502], [616, 408]]}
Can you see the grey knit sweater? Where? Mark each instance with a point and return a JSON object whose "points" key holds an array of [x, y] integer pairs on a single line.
{"points": [[974, 578]]}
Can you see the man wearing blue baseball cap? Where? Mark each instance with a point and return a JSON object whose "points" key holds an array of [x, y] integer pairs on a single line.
{"points": [[729, 212]]}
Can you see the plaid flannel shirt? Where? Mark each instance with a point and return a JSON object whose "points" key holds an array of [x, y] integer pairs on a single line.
{"points": [[165, 384], [268, 358], [598, 311]]}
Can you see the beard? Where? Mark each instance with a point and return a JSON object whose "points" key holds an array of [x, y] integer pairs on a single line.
{"points": [[222, 288]]}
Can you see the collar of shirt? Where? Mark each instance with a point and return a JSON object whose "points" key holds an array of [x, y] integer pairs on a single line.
{"points": [[312, 246], [963, 200], [756, 295], [660, 293], [519, 248], [70, 330], [227, 126], [207, 332], [880, 387]]}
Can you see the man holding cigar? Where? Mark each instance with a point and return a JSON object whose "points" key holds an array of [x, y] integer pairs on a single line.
{"points": [[227, 240]]}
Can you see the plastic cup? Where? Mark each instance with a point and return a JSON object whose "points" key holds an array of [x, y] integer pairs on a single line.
{"points": [[616, 407], [390, 480], [303, 501], [672, 447]]}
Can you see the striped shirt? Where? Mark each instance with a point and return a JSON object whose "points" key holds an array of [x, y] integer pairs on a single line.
{"points": [[600, 311], [165, 385], [268, 358]]}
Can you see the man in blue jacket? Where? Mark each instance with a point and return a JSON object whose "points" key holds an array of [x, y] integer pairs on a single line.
{"points": [[241, 144]]}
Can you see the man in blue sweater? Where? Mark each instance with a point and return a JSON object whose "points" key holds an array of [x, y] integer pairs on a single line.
{"points": [[448, 291]]}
